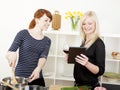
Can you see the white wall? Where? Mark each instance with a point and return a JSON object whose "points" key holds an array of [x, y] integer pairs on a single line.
{"points": [[16, 15]]}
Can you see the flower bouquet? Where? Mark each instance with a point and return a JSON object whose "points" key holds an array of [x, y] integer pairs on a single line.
{"points": [[74, 18]]}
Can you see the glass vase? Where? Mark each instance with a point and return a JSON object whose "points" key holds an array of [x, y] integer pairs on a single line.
{"points": [[74, 26]]}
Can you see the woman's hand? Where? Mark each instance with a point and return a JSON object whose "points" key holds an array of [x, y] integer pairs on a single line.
{"points": [[12, 58], [66, 57], [82, 59], [35, 74], [12, 63]]}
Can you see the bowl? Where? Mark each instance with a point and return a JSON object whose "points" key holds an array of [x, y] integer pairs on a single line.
{"points": [[116, 55]]}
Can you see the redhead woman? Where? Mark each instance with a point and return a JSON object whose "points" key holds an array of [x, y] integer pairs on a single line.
{"points": [[33, 49]]}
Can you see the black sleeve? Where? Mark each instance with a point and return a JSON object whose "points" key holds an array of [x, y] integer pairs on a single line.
{"points": [[100, 56]]}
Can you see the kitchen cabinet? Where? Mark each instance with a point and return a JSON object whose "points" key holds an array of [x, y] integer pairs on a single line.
{"points": [[112, 43], [56, 70]]}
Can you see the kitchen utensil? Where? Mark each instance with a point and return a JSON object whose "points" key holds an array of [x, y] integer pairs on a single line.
{"points": [[5, 83], [13, 80]]}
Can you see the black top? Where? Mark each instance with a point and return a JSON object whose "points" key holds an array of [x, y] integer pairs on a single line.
{"points": [[30, 50], [96, 55]]}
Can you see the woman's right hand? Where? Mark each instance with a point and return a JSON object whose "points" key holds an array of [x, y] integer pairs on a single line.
{"points": [[66, 57], [12, 63], [11, 57]]}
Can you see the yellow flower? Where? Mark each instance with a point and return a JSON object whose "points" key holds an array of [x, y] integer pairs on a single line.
{"points": [[74, 17]]}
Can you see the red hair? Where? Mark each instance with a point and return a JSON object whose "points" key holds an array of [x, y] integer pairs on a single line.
{"points": [[38, 14]]}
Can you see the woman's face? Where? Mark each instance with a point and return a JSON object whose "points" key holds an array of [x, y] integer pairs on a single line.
{"points": [[44, 22], [88, 26]]}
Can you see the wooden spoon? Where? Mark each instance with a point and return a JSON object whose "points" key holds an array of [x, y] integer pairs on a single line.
{"points": [[14, 88], [13, 79]]}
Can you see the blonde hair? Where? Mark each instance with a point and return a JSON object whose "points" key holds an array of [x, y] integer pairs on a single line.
{"points": [[95, 35]]}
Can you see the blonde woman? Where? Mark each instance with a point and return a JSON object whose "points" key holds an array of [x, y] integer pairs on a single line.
{"points": [[89, 66]]}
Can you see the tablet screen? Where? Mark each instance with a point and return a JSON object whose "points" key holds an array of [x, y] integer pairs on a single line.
{"points": [[73, 51]]}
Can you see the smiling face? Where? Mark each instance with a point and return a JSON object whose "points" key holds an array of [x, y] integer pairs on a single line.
{"points": [[88, 26], [44, 22]]}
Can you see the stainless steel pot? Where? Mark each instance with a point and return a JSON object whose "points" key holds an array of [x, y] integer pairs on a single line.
{"points": [[3, 87], [21, 82], [34, 87], [26, 87]]}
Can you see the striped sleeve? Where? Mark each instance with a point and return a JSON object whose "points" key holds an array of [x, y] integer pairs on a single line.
{"points": [[46, 51], [17, 41]]}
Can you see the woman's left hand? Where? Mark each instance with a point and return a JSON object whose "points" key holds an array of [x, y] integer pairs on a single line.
{"points": [[82, 59], [34, 75]]}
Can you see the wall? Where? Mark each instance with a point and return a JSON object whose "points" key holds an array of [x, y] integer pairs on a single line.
{"points": [[16, 15]]}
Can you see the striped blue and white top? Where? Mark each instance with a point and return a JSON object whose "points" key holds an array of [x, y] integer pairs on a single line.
{"points": [[30, 50]]}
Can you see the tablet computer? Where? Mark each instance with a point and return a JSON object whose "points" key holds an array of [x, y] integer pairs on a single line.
{"points": [[73, 51]]}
